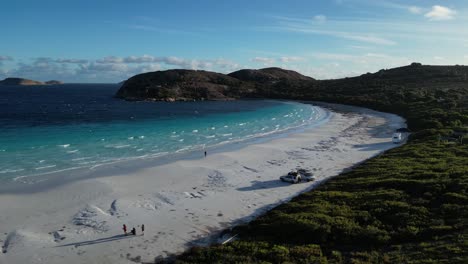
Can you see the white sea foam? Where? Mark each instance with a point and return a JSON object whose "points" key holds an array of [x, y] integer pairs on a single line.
{"points": [[11, 171], [84, 158], [45, 167], [73, 151], [195, 131], [64, 145], [141, 137], [117, 146]]}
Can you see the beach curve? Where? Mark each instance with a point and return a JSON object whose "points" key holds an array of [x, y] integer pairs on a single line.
{"points": [[184, 202]]}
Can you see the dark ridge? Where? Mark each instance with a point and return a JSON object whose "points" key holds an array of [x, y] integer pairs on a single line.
{"points": [[53, 82], [19, 81], [172, 85], [268, 75], [392, 87]]}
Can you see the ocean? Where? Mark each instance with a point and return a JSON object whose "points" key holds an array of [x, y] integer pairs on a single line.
{"points": [[47, 129]]}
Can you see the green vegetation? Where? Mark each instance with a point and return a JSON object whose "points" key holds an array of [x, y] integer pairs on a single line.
{"points": [[408, 205]]}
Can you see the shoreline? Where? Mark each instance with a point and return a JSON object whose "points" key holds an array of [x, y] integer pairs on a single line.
{"points": [[81, 221], [47, 181]]}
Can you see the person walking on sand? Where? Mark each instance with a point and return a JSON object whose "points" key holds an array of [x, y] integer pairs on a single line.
{"points": [[134, 231], [124, 229], [142, 229], [205, 153]]}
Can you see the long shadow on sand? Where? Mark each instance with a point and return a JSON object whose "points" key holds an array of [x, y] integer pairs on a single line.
{"points": [[97, 241], [259, 185], [371, 147]]}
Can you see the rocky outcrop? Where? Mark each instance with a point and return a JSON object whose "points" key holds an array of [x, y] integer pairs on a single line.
{"points": [[19, 81], [183, 85], [269, 75], [53, 82], [177, 85], [274, 82], [22, 81]]}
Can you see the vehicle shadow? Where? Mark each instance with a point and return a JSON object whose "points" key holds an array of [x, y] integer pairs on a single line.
{"points": [[375, 146], [258, 185], [98, 241]]}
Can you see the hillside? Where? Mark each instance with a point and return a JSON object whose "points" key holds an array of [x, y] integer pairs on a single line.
{"points": [[182, 85], [199, 85], [273, 82]]}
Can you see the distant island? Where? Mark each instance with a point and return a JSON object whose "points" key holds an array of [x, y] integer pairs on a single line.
{"points": [[22, 81]]}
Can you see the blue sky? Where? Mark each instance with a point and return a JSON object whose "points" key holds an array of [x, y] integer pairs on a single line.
{"points": [[110, 41]]}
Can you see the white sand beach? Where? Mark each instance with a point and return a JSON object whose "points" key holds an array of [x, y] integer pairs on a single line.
{"points": [[183, 202]]}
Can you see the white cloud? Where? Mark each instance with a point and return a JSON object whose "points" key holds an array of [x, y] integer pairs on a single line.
{"points": [[415, 9], [439, 58], [346, 35], [307, 27], [141, 59], [110, 59], [71, 61], [108, 69], [466, 57], [368, 39], [264, 60], [172, 61], [373, 60], [286, 59], [390, 4], [438, 13], [320, 18]]}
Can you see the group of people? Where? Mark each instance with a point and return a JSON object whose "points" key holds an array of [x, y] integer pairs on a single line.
{"points": [[133, 231]]}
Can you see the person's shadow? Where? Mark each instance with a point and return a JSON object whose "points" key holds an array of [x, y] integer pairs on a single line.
{"points": [[98, 241]]}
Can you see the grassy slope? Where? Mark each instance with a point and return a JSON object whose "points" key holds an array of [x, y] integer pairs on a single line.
{"points": [[409, 205]]}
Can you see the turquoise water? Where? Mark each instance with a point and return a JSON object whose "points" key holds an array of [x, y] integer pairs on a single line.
{"points": [[68, 142]]}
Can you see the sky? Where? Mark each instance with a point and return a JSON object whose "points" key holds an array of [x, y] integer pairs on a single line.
{"points": [[102, 41]]}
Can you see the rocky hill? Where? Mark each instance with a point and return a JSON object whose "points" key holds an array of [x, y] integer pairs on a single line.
{"points": [[279, 83], [53, 82], [174, 85], [182, 85], [269, 75], [19, 81], [22, 81]]}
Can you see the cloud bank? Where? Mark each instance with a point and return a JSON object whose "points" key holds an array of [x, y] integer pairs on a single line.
{"points": [[107, 69]]}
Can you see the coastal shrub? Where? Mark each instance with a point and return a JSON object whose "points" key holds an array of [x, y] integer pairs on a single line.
{"points": [[408, 205]]}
